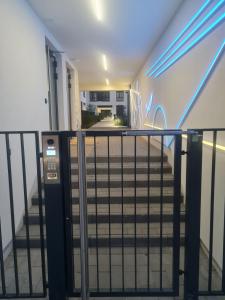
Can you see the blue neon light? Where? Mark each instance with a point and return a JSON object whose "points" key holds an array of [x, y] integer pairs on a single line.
{"points": [[212, 27], [149, 104], [201, 85], [159, 107], [193, 19], [198, 26]]}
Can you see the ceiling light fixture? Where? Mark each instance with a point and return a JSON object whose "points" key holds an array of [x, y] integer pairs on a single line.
{"points": [[97, 6], [104, 60]]}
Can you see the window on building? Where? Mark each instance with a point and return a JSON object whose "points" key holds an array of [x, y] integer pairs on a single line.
{"points": [[99, 96], [119, 96], [120, 111]]}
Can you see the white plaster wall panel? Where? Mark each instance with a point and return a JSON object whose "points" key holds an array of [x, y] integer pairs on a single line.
{"points": [[174, 89], [23, 88]]}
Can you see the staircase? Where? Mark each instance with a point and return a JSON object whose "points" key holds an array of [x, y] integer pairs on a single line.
{"points": [[123, 217], [116, 211]]}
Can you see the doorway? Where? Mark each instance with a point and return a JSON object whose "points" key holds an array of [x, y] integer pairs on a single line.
{"points": [[69, 97], [53, 88]]}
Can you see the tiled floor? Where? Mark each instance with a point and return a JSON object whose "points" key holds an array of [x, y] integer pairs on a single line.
{"points": [[116, 262]]}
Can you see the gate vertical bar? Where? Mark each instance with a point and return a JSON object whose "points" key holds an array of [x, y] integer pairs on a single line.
{"points": [[2, 265], [12, 213], [176, 212], [212, 208], [26, 213], [67, 189], [83, 215], [193, 215], [55, 218], [40, 206], [161, 214]]}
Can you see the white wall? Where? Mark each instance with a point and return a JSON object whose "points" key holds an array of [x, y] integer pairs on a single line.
{"points": [[23, 89], [76, 104], [173, 90]]}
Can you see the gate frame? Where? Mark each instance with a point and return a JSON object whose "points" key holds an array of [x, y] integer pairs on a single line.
{"points": [[193, 212], [64, 138], [37, 158]]}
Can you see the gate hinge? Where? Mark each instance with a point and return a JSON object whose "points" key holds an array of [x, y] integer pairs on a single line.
{"points": [[181, 272], [183, 152]]}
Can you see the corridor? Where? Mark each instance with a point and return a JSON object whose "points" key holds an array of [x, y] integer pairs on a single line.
{"points": [[106, 124], [112, 149]]}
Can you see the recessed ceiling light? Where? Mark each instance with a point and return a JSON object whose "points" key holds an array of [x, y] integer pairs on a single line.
{"points": [[97, 7], [104, 61]]}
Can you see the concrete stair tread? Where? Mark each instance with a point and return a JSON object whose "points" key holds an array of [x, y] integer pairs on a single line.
{"points": [[116, 230], [118, 199], [116, 192], [117, 159], [128, 209], [117, 165], [126, 177], [115, 242], [127, 192]]}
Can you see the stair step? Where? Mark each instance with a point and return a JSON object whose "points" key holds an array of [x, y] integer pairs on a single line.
{"points": [[129, 180], [118, 200], [115, 230], [117, 159], [127, 191], [127, 169], [118, 184], [113, 242], [167, 218], [115, 209]]}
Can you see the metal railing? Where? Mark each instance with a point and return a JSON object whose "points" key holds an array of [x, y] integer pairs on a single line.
{"points": [[111, 172], [20, 168], [119, 215], [205, 230]]}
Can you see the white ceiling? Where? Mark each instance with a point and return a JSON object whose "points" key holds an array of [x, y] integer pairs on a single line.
{"points": [[126, 33]]}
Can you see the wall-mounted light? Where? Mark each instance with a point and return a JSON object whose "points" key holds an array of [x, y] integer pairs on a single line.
{"points": [[104, 62], [97, 7], [107, 81]]}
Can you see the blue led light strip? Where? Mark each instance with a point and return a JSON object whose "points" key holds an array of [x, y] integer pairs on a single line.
{"points": [[159, 107], [201, 85], [149, 104], [193, 19], [188, 37], [212, 27]]}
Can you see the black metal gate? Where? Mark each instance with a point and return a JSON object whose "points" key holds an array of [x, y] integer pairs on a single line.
{"points": [[22, 267], [124, 215], [128, 229], [121, 211]]}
